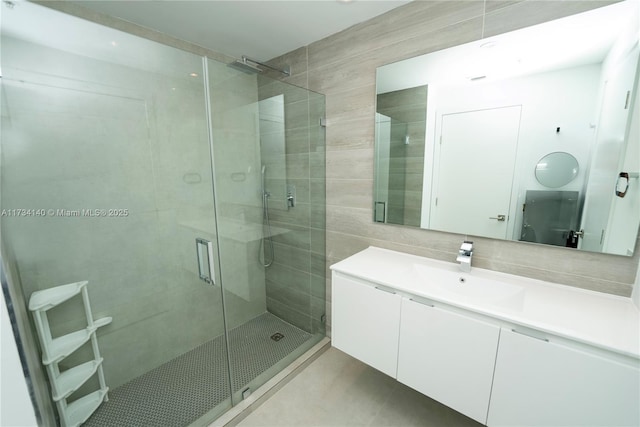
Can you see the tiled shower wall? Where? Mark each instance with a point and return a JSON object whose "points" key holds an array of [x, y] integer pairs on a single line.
{"points": [[343, 67]]}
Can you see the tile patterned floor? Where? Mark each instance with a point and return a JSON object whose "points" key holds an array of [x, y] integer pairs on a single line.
{"points": [[187, 387], [338, 390]]}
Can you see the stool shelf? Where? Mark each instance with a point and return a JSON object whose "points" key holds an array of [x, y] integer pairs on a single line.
{"points": [[55, 350]]}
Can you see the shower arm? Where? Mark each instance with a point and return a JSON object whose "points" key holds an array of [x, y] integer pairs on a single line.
{"points": [[286, 71]]}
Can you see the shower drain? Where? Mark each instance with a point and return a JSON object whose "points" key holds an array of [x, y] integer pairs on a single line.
{"points": [[277, 336]]}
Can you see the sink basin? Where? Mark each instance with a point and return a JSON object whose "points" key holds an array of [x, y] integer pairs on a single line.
{"points": [[449, 281]]}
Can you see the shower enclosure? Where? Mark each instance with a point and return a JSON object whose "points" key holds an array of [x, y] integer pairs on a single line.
{"points": [[122, 159]]}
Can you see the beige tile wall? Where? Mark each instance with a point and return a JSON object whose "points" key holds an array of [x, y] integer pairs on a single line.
{"points": [[342, 66]]}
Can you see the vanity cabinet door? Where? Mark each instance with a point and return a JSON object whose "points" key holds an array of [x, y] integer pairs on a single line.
{"points": [[365, 322], [540, 383], [447, 356]]}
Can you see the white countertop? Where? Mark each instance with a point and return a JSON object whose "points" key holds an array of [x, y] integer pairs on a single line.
{"points": [[607, 321]]}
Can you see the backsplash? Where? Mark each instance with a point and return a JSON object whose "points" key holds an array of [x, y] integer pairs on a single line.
{"points": [[343, 67]]}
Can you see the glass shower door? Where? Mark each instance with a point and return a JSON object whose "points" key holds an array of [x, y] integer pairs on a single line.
{"points": [[106, 176], [268, 149]]}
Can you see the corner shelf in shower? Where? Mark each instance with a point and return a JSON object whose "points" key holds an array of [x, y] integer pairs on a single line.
{"points": [[55, 350]]}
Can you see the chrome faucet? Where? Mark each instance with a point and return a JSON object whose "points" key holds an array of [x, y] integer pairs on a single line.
{"points": [[464, 256]]}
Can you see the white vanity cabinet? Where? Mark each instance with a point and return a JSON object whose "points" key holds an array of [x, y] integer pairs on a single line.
{"points": [[544, 383], [503, 350], [447, 356], [365, 322]]}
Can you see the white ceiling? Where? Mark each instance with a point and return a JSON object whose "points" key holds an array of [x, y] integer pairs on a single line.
{"points": [[576, 40], [259, 29]]}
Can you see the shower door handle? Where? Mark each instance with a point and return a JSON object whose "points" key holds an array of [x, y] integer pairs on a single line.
{"points": [[204, 253]]}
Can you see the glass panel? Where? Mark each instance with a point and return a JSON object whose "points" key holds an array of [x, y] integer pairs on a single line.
{"points": [[106, 177], [269, 159], [550, 217], [399, 155]]}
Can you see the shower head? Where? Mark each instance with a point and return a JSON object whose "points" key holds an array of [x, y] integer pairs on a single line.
{"points": [[264, 168], [251, 66], [244, 66]]}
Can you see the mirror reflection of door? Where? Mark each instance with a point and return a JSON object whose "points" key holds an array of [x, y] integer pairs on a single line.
{"points": [[608, 159], [465, 169]]}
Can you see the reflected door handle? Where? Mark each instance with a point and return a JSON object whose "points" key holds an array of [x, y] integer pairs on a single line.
{"points": [[620, 184], [204, 253], [499, 217]]}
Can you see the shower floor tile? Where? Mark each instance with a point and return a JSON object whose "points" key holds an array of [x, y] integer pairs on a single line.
{"points": [[187, 387]]}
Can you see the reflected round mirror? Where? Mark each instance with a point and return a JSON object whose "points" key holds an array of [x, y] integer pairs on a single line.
{"points": [[556, 169]]}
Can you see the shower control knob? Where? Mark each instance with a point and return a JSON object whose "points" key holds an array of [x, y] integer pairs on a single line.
{"points": [[291, 196]]}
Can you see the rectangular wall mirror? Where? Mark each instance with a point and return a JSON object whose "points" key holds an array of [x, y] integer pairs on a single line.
{"points": [[531, 135]]}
